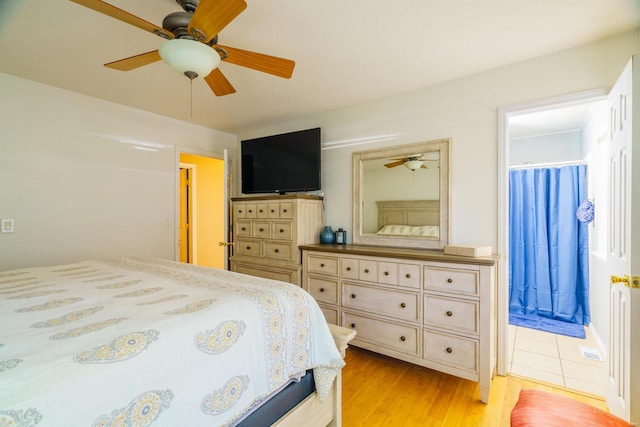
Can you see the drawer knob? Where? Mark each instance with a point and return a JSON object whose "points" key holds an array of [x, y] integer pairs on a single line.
{"points": [[386, 273], [284, 210], [449, 313], [403, 338], [262, 229], [272, 210], [250, 211], [321, 265], [248, 248], [244, 229], [282, 230], [348, 268], [403, 305], [260, 211], [366, 270], [353, 325], [276, 250], [353, 295], [239, 210], [449, 350], [449, 280], [408, 276], [321, 289]]}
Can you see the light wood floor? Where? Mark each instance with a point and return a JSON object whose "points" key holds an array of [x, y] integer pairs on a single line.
{"points": [[381, 391]]}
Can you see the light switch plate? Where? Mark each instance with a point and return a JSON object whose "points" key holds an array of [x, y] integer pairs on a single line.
{"points": [[6, 225]]}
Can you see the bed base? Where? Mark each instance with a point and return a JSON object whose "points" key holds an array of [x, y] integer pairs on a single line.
{"points": [[310, 412]]}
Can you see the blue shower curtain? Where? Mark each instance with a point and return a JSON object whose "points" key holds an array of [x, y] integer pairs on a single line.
{"points": [[549, 271]]}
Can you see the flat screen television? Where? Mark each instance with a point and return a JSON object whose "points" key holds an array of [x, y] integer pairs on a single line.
{"points": [[284, 163]]}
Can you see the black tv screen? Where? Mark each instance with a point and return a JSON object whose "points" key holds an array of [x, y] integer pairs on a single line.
{"points": [[284, 163]]}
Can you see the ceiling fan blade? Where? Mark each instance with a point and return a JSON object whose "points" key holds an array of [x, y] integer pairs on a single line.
{"points": [[394, 164], [257, 61], [211, 16], [117, 13], [133, 62], [219, 83]]}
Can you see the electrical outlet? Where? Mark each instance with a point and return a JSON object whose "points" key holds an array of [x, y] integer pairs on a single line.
{"points": [[6, 225]]}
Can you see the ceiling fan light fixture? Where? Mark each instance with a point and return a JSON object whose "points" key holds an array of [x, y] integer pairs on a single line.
{"points": [[413, 165], [189, 57]]}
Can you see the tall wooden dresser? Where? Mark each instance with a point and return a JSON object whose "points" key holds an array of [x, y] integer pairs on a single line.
{"points": [[421, 306], [268, 231]]}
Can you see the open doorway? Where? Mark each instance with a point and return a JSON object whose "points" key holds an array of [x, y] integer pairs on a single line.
{"points": [[202, 209], [553, 134]]}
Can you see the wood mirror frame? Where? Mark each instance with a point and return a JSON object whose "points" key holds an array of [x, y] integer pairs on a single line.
{"points": [[405, 209]]}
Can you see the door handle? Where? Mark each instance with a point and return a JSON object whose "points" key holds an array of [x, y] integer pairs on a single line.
{"points": [[225, 243], [618, 279]]}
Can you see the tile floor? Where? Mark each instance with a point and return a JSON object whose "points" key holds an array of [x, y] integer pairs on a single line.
{"points": [[556, 359]]}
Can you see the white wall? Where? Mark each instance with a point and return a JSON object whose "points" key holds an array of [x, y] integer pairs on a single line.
{"points": [[464, 110], [84, 178], [558, 147]]}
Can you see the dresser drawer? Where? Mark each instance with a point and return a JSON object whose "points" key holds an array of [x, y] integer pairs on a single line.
{"points": [[330, 314], [457, 281], [409, 275], [281, 230], [250, 209], [395, 336], [323, 290], [401, 305], [262, 210], [285, 210], [262, 229], [453, 314], [388, 273], [451, 350], [248, 247], [243, 228], [322, 265], [349, 268], [279, 251], [240, 210], [367, 270]]}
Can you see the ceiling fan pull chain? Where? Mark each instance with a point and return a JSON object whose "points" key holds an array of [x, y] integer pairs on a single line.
{"points": [[191, 98]]}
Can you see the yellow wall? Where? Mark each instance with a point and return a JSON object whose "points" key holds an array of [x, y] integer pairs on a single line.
{"points": [[209, 209]]}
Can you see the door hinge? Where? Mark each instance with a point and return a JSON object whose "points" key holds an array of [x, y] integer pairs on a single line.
{"points": [[635, 282]]}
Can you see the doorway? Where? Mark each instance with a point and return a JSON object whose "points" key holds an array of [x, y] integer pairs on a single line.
{"points": [[552, 133], [202, 210]]}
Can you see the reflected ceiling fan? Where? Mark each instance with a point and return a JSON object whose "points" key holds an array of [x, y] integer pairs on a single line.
{"points": [[192, 42], [412, 162]]}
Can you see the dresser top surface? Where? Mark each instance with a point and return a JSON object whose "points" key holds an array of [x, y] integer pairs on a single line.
{"points": [[276, 198], [393, 252]]}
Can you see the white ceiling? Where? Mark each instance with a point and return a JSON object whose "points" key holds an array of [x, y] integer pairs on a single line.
{"points": [[346, 51]]}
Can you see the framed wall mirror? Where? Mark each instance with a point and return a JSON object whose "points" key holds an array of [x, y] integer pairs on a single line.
{"points": [[401, 195]]}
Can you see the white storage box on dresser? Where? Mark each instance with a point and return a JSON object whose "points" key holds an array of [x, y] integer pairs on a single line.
{"points": [[268, 231], [421, 306]]}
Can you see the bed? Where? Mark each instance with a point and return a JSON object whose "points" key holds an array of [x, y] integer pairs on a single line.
{"points": [[409, 218], [138, 342]]}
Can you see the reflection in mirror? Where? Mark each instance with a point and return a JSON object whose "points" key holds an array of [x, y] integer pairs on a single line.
{"points": [[401, 195]]}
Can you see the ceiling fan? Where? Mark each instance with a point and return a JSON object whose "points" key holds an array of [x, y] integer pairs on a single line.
{"points": [[192, 42], [412, 162]]}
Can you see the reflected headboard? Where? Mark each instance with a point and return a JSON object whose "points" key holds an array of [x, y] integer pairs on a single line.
{"points": [[408, 212]]}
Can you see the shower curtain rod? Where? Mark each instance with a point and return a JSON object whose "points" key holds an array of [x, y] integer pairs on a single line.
{"points": [[548, 165]]}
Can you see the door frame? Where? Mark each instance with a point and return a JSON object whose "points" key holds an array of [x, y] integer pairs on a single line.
{"points": [[192, 202], [503, 204], [224, 156]]}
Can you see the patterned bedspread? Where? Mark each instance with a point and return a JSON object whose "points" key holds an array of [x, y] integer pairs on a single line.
{"points": [[138, 342]]}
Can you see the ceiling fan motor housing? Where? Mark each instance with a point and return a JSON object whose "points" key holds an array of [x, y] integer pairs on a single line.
{"points": [[188, 5], [177, 23]]}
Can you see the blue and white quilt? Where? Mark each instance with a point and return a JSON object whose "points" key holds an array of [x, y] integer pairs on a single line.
{"points": [[138, 342]]}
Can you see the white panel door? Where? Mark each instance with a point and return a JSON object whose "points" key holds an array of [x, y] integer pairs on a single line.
{"points": [[622, 382]]}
